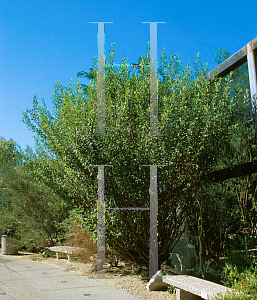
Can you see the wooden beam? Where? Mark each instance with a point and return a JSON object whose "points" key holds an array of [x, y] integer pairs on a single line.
{"points": [[231, 63], [233, 172], [245, 54], [252, 68], [254, 42]]}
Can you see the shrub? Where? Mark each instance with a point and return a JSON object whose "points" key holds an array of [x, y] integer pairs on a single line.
{"points": [[195, 119], [243, 284]]}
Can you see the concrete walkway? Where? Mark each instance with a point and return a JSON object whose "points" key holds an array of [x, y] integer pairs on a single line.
{"points": [[22, 279]]}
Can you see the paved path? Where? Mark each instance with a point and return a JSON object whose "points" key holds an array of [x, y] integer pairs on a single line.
{"points": [[22, 279]]}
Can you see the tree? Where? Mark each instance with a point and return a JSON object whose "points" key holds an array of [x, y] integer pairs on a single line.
{"points": [[89, 75], [30, 208], [195, 116], [9, 158]]}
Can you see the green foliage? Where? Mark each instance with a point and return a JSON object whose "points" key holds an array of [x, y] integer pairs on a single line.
{"points": [[171, 289], [229, 214], [210, 270], [48, 253], [243, 283], [30, 208], [89, 75], [195, 116], [221, 55], [66, 228], [240, 77]]}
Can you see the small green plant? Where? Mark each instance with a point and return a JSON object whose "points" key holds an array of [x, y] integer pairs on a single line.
{"points": [[243, 284], [47, 253], [210, 270], [171, 289], [206, 268]]}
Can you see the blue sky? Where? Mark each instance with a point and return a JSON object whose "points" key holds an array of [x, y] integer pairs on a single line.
{"points": [[45, 41]]}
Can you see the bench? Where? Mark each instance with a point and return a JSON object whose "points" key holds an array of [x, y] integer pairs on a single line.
{"points": [[64, 249], [187, 287]]}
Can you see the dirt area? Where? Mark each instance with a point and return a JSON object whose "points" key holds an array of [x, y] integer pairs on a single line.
{"points": [[121, 275]]}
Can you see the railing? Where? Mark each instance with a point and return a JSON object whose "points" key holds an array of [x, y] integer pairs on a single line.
{"points": [[246, 54], [236, 60]]}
